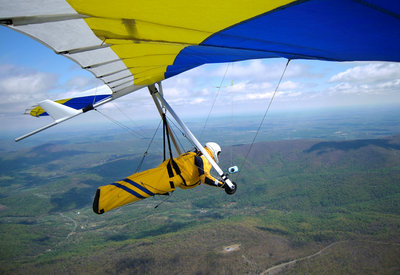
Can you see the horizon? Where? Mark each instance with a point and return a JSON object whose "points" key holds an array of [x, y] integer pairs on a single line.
{"points": [[347, 123], [30, 72]]}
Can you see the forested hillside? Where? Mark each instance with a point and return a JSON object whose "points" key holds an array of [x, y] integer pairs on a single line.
{"points": [[294, 199]]}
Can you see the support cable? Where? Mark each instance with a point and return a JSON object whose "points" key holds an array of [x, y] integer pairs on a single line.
{"points": [[215, 100], [125, 115], [265, 115], [123, 126], [174, 133], [148, 147], [182, 132], [167, 134], [167, 198], [163, 135]]}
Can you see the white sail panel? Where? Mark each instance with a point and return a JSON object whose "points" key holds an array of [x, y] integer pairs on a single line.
{"points": [[94, 57], [27, 8]]}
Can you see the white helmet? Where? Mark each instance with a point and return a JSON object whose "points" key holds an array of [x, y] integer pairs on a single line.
{"points": [[215, 149]]}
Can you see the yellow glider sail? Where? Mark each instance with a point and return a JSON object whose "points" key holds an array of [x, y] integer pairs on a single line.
{"points": [[140, 42], [147, 35]]}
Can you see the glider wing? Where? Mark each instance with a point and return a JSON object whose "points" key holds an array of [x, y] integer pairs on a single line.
{"points": [[125, 42], [76, 103]]}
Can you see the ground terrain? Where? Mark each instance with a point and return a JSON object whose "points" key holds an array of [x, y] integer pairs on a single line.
{"points": [[311, 206]]}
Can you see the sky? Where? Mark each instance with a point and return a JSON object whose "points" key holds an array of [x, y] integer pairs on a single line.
{"points": [[30, 73]]}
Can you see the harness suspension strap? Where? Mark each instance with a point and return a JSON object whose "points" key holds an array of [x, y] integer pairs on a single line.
{"points": [[147, 150], [170, 171], [172, 161], [161, 111], [163, 118], [166, 132]]}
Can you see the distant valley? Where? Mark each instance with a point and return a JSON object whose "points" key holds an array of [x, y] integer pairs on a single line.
{"points": [[295, 198]]}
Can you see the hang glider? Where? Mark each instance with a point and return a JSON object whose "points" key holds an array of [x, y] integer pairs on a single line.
{"points": [[131, 44], [143, 42]]}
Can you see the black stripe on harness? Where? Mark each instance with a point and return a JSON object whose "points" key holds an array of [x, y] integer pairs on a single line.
{"points": [[184, 181], [176, 167], [169, 169], [177, 170], [198, 161]]}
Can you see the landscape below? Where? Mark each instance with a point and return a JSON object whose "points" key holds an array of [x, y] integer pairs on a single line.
{"points": [[333, 205]]}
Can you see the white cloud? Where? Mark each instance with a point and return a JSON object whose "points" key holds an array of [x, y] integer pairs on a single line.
{"points": [[343, 87], [294, 94], [104, 89], [290, 85], [21, 88], [259, 70], [204, 92], [237, 87], [393, 84], [17, 84], [82, 83], [198, 100], [369, 73], [257, 96], [175, 92], [365, 79]]}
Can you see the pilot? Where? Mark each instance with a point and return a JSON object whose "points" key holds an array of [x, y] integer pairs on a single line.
{"points": [[186, 171]]}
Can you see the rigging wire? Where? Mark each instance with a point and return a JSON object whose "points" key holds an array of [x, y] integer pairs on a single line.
{"points": [[215, 100], [133, 133], [265, 115], [182, 133], [124, 114], [167, 198], [148, 147], [123, 126], [232, 123]]}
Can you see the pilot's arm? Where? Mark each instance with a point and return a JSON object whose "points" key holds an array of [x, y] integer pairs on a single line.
{"points": [[204, 168]]}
